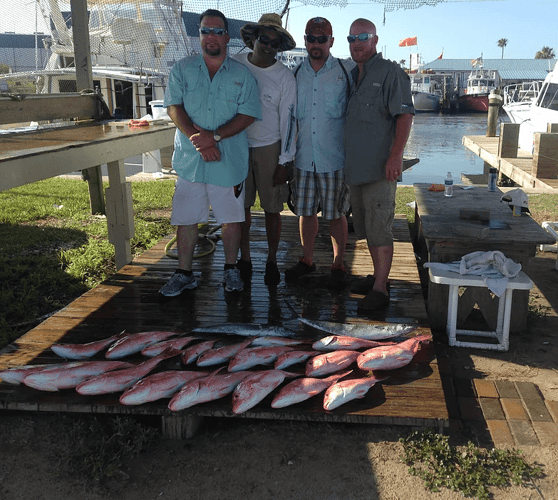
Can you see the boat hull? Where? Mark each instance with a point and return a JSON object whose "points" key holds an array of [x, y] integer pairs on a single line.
{"points": [[475, 103], [426, 102]]}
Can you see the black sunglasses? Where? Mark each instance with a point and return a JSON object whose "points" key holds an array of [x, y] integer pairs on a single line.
{"points": [[268, 41], [215, 31], [320, 39]]}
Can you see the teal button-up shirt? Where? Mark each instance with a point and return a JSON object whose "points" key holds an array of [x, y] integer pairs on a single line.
{"points": [[321, 108], [210, 104]]}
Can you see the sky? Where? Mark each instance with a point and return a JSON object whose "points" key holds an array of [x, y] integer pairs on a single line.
{"points": [[459, 29]]}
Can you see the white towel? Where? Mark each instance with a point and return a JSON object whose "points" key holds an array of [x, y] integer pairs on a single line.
{"points": [[493, 266]]}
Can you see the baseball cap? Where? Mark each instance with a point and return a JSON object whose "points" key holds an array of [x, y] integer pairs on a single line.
{"points": [[517, 197], [319, 25]]}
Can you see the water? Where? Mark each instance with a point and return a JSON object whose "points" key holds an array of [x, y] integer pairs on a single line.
{"points": [[436, 140]]}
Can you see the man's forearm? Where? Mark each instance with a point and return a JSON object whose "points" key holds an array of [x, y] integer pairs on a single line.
{"points": [[181, 119], [402, 130]]}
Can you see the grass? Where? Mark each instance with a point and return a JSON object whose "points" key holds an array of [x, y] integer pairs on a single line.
{"points": [[52, 249], [467, 469]]}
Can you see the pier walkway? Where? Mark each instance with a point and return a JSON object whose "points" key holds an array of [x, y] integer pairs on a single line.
{"points": [[519, 170], [413, 395]]}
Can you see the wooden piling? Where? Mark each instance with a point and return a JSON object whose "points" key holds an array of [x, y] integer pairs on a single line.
{"points": [[508, 141], [494, 103], [545, 156]]}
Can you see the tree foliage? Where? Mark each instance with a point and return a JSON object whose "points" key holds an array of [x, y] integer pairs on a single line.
{"points": [[502, 43], [545, 53]]}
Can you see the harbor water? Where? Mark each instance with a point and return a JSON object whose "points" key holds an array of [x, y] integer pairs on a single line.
{"points": [[435, 139]]}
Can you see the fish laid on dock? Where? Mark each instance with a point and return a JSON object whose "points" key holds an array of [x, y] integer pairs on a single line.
{"points": [[194, 352], [347, 390], [220, 355], [344, 342], [16, 374], [136, 342], [276, 341], [255, 387], [290, 358], [247, 330], [122, 379], [159, 347], [304, 388], [331, 362], [248, 358], [361, 330], [84, 351], [393, 356], [70, 375], [159, 385], [215, 386]]}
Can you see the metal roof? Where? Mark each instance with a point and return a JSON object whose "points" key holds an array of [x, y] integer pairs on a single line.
{"points": [[508, 69]]}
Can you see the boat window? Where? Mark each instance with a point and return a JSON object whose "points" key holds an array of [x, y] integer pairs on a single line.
{"points": [[549, 97]]}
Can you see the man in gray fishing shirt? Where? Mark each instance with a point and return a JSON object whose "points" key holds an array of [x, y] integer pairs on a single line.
{"points": [[379, 119]]}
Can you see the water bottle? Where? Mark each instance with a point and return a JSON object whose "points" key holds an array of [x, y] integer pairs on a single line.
{"points": [[492, 180], [448, 191]]}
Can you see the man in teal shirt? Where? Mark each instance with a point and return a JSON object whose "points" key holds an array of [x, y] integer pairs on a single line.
{"points": [[211, 99]]}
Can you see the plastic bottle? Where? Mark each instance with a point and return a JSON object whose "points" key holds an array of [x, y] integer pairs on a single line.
{"points": [[448, 191], [492, 180]]}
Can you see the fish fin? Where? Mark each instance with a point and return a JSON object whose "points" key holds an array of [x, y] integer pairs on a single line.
{"points": [[212, 374]]}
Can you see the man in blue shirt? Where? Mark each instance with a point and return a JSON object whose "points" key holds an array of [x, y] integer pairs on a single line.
{"points": [[322, 91], [211, 99]]}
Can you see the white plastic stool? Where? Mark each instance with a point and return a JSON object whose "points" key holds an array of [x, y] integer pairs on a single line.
{"points": [[502, 333]]}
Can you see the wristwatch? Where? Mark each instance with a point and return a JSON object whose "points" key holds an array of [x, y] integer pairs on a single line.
{"points": [[216, 136]]}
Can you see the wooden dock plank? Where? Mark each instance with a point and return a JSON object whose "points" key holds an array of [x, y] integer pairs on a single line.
{"points": [[129, 301], [519, 169]]}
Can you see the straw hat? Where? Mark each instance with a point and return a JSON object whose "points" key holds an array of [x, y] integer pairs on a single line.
{"points": [[272, 21]]}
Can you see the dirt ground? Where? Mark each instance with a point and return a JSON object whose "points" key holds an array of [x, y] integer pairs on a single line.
{"points": [[246, 459]]}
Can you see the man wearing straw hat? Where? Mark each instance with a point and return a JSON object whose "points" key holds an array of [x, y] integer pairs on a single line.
{"points": [[271, 139]]}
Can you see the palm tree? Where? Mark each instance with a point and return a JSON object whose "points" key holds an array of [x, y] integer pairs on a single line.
{"points": [[545, 53], [502, 43]]}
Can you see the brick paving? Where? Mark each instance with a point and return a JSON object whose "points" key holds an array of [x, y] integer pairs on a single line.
{"points": [[514, 414]]}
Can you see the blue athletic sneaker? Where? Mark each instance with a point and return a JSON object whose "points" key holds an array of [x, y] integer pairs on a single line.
{"points": [[177, 284]]}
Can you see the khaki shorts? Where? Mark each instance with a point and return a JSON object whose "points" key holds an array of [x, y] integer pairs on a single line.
{"points": [[191, 202], [373, 207], [262, 165]]}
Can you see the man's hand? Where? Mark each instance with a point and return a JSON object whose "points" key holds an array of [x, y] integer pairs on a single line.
{"points": [[210, 154], [394, 167], [281, 175], [203, 139]]}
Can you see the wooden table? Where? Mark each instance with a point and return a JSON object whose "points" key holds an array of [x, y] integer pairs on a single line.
{"points": [[447, 238], [32, 156]]}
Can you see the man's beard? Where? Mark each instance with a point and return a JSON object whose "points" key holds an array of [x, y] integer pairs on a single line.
{"points": [[318, 57], [213, 52]]}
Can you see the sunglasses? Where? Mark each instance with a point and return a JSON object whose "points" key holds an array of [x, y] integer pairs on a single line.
{"points": [[215, 31], [268, 41], [320, 39], [362, 37]]}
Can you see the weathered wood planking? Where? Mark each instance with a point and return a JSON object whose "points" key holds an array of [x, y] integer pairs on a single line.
{"points": [[519, 170], [129, 300]]}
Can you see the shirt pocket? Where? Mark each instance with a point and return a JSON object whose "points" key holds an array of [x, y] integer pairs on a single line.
{"points": [[228, 97], [336, 99], [193, 96], [368, 103]]}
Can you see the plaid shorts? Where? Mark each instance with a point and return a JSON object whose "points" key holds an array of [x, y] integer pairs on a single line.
{"points": [[312, 192]]}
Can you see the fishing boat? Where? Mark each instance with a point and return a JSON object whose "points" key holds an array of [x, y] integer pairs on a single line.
{"points": [[479, 85], [426, 93], [532, 105], [133, 44]]}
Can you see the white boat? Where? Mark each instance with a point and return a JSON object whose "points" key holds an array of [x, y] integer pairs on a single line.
{"points": [[133, 44], [426, 94], [532, 105]]}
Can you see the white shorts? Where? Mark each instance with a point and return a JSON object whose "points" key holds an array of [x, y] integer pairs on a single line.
{"points": [[191, 202]]}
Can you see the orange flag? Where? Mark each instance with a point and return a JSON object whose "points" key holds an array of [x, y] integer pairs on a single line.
{"points": [[407, 42], [441, 55]]}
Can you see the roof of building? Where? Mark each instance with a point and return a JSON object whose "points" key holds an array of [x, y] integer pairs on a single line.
{"points": [[508, 69]]}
